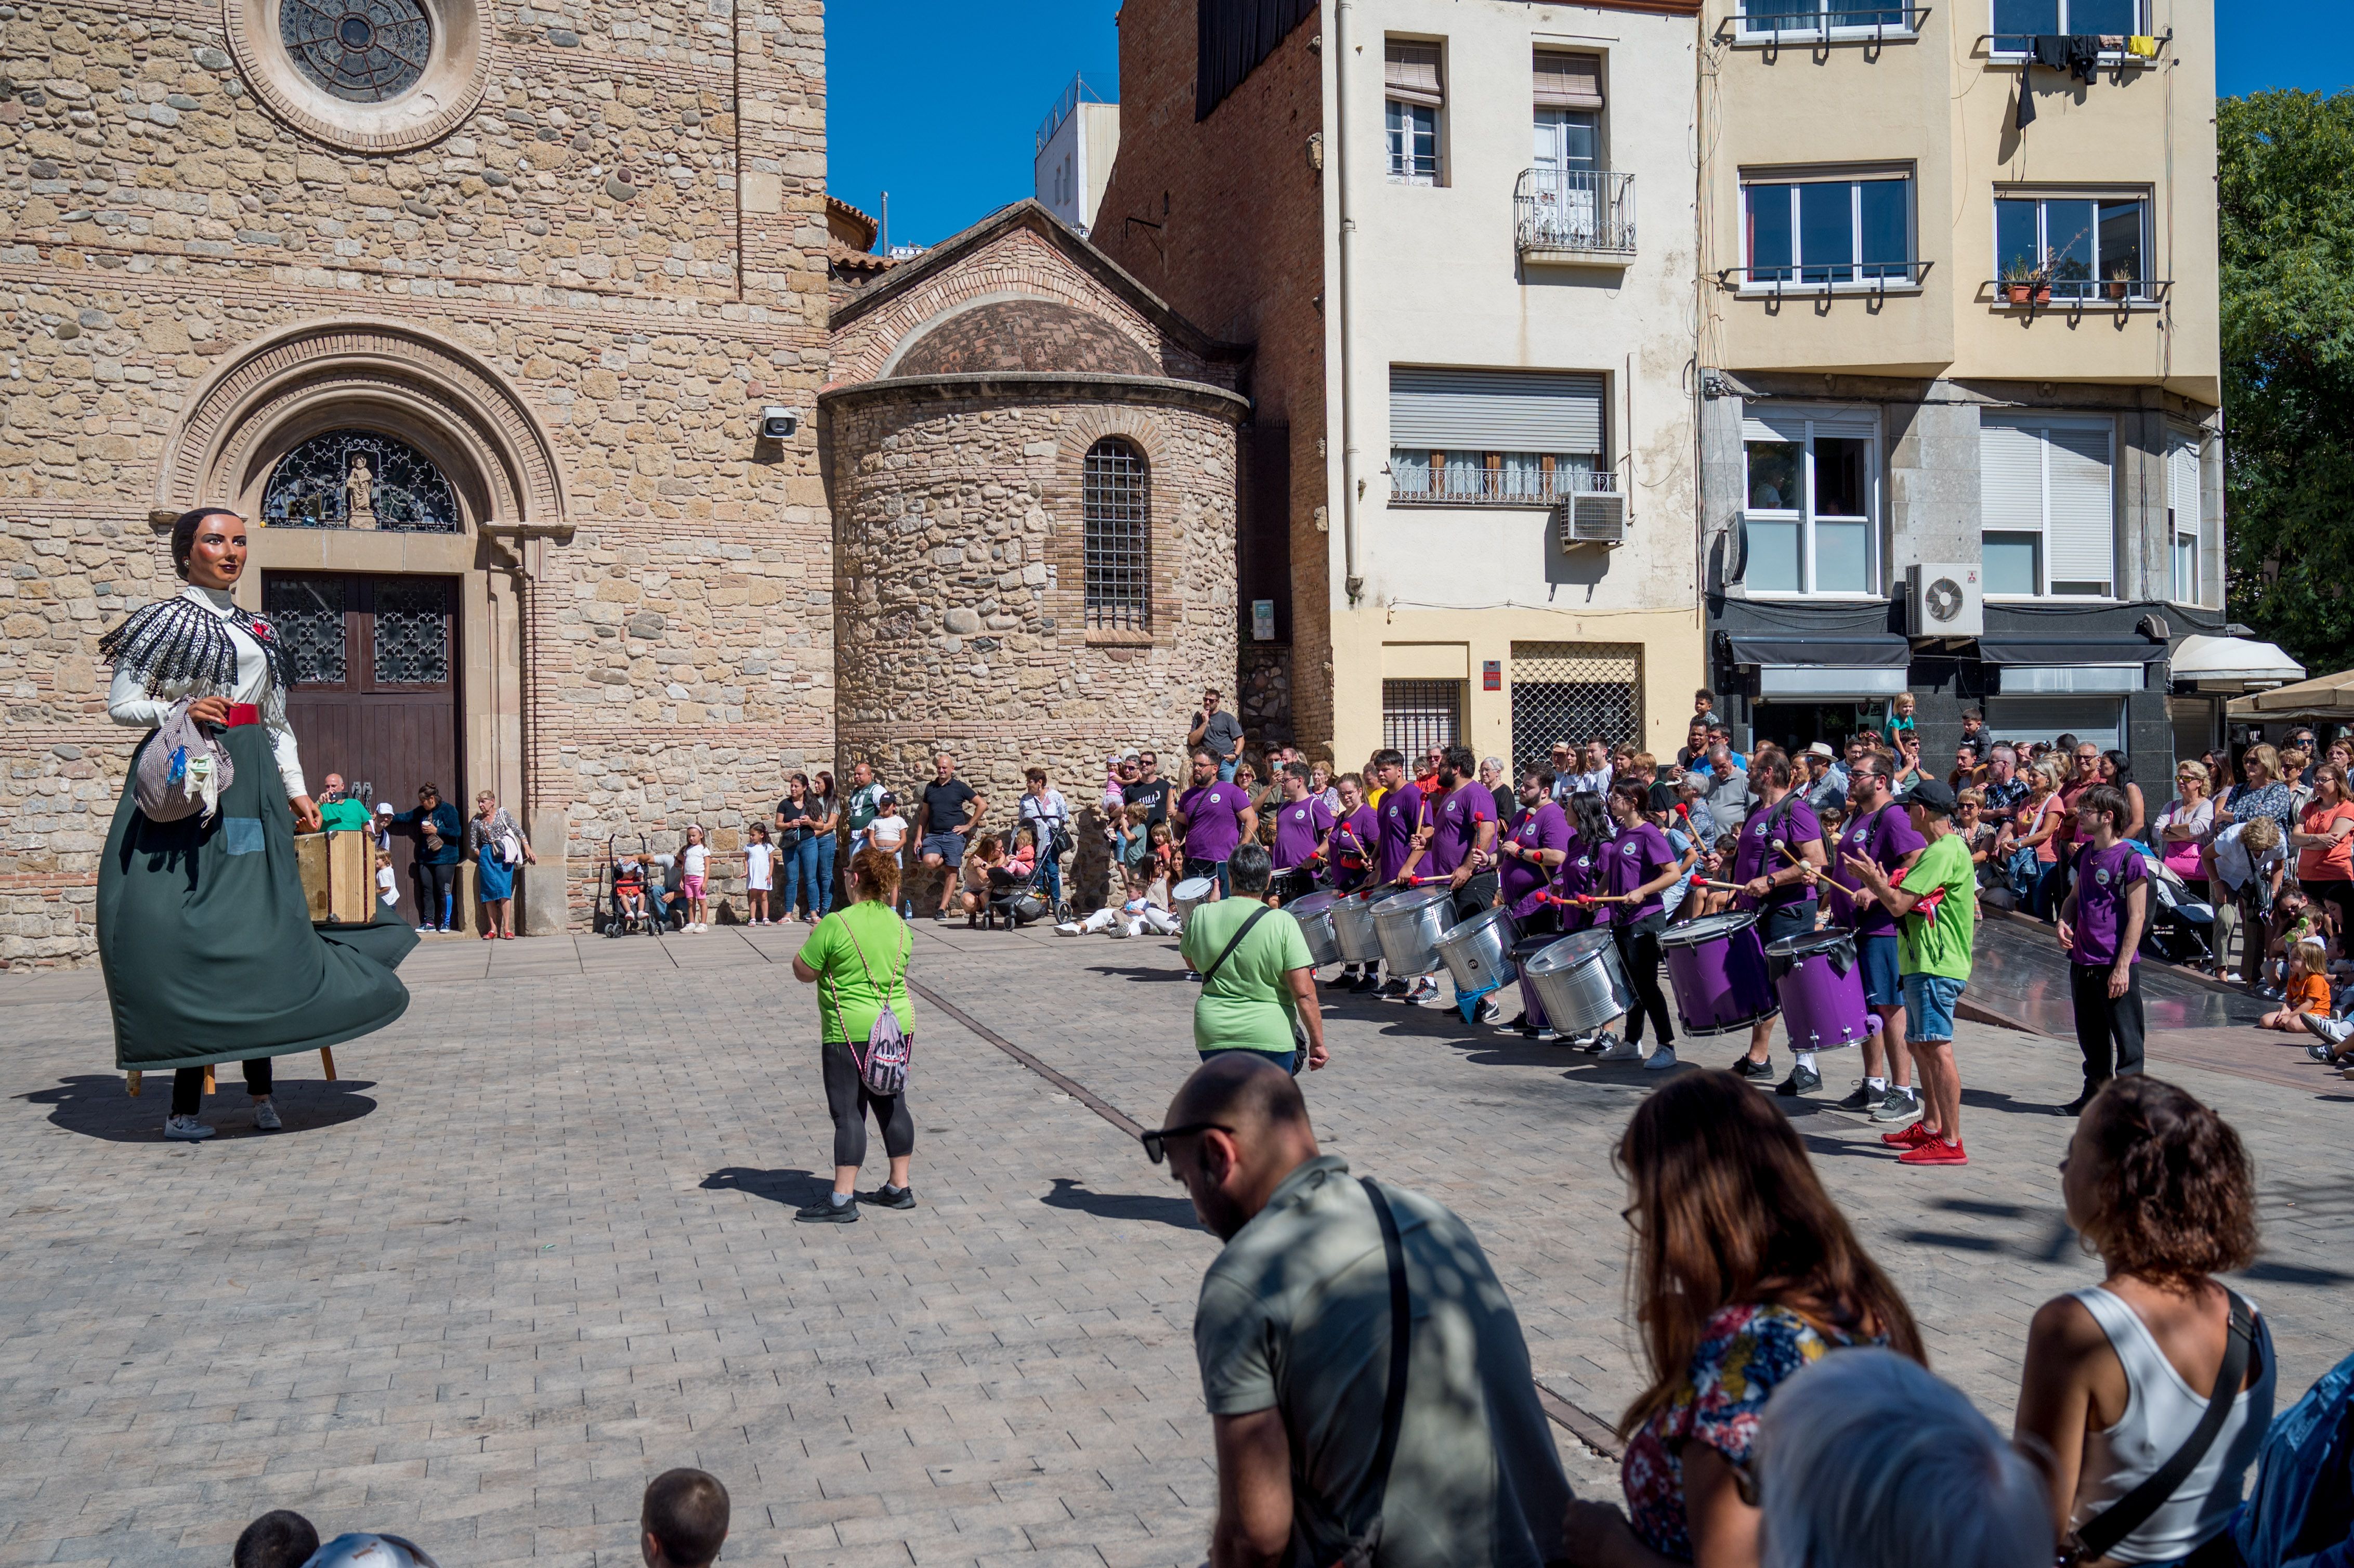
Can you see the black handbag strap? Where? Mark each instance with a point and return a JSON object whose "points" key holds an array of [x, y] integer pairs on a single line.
{"points": [[1401, 1342], [2101, 1533], [1233, 942]]}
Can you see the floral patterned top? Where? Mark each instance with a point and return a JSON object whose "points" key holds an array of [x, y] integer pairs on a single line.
{"points": [[1745, 1350]]}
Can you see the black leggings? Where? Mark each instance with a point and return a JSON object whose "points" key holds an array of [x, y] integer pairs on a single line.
{"points": [[1639, 949], [847, 1100], [188, 1085], [436, 884]]}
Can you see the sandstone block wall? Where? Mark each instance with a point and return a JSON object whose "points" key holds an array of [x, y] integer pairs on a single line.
{"points": [[961, 586], [628, 234]]}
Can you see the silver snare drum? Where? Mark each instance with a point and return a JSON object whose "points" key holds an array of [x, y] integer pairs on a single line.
{"points": [[1581, 981], [1409, 925], [1479, 952], [1315, 914]]}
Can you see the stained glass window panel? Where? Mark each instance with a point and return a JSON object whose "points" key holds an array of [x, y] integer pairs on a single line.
{"points": [[363, 51]]}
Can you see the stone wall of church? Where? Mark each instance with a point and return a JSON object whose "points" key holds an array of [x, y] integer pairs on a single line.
{"points": [[635, 254], [961, 581]]}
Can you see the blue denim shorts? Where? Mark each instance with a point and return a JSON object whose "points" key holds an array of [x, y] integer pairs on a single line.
{"points": [[1876, 956], [1929, 1009]]}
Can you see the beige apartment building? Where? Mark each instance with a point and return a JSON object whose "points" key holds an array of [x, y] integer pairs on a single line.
{"points": [[1958, 370], [1458, 239]]}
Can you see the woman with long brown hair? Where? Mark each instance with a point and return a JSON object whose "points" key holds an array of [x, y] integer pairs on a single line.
{"points": [[2119, 1375], [1743, 1271]]}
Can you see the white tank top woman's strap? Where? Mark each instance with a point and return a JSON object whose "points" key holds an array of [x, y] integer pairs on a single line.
{"points": [[2161, 1412]]}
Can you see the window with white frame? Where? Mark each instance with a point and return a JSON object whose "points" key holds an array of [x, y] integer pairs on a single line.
{"points": [[2047, 506], [2077, 246], [2186, 529], [1829, 229], [1417, 96], [1460, 436], [1764, 18], [2017, 22], [1810, 518]]}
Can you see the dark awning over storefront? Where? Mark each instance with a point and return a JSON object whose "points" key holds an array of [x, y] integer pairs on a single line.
{"points": [[2070, 666], [2065, 651], [1823, 669]]}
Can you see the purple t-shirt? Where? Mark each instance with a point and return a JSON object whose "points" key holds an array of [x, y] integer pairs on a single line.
{"points": [[1885, 836], [1546, 828], [1299, 826], [1356, 837], [1638, 855], [2104, 876], [1213, 819], [1404, 813], [1458, 814], [1789, 821]]}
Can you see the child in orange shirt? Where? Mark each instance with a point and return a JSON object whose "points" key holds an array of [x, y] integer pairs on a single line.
{"points": [[2308, 990]]}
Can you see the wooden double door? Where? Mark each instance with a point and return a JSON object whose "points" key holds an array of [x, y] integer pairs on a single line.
{"points": [[376, 698]]}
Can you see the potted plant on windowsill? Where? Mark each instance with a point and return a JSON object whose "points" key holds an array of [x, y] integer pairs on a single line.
{"points": [[2026, 283], [2120, 282]]}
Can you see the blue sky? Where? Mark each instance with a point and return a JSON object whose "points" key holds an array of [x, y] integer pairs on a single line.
{"points": [[938, 100]]}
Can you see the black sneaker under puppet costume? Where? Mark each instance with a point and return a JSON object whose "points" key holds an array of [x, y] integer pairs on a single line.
{"points": [[203, 933]]}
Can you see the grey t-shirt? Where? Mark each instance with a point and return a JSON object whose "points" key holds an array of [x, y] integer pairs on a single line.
{"points": [[1295, 1314], [1223, 734], [1728, 798]]}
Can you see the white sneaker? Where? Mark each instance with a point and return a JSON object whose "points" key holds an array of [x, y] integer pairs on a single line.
{"points": [[186, 1129], [1620, 1051], [1067, 928], [265, 1117], [1661, 1059]]}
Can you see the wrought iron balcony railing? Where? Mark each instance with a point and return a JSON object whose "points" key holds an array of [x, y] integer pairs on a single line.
{"points": [[1573, 215]]}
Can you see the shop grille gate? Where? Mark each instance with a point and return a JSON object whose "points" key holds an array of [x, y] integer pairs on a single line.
{"points": [[1573, 692], [1419, 714]]}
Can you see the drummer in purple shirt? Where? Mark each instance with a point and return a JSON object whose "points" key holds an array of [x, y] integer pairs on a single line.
{"points": [[1356, 844], [1581, 865], [1530, 856], [1636, 868], [1878, 830], [1304, 835], [1211, 819], [1462, 848], [2101, 924], [1405, 833], [1779, 839]]}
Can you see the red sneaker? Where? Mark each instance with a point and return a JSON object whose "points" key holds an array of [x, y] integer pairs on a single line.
{"points": [[1933, 1151], [1911, 1136]]}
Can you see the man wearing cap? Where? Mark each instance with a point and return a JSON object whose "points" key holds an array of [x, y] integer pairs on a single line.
{"points": [[1779, 842], [1935, 903], [1826, 785]]}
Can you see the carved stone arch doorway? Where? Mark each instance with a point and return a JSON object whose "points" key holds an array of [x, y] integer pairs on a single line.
{"points": [[403, 494]]}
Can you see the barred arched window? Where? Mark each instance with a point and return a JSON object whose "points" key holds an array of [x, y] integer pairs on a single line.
{"points": [[1116, 497]]}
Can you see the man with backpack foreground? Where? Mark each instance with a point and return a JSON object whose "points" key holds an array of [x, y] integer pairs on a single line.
{"points": [[1363, 1368]]}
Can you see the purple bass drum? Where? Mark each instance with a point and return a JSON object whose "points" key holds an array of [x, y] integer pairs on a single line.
{"points": [[1533, 1013], [1718, 967], [1821, 990]]}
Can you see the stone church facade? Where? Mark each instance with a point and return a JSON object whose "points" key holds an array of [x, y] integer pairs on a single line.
{"points": [[476, 312]]}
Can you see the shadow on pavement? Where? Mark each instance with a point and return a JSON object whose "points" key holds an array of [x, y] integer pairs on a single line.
{"points": [[793, 1187], [96, 1106], [2293, 1274], [1137, 974], [1069, 1194]]}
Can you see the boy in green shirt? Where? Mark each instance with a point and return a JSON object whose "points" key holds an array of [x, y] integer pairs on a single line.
{"points": [[1935, 904]]}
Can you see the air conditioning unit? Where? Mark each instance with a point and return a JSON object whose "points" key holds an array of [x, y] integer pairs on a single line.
{"points": [[1944, 601], [1591, 517]]}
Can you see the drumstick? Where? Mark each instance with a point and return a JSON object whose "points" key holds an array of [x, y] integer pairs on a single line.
{"points": [[1827, 882]]}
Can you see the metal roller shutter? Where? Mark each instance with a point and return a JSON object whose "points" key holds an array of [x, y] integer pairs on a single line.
{"points": [[1495, 410], [1784, 422], [2084, 539]]}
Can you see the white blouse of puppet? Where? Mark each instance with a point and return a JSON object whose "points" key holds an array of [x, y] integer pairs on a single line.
{"points": [[202, 644]]}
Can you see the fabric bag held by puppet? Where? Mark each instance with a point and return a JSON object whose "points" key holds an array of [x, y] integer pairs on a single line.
{"points": [[182, 769]]}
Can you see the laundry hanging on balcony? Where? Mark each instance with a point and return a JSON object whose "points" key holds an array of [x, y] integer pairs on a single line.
{"points": [[2078, 54]]}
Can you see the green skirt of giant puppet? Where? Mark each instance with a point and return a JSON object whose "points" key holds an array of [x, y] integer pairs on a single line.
{"points": [[206, 939]]}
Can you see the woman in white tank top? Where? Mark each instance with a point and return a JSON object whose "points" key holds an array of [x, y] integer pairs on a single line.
{"points": [[2117, 1376]]}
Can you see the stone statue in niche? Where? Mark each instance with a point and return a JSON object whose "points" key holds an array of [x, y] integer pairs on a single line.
{"points": [[359, 496]]}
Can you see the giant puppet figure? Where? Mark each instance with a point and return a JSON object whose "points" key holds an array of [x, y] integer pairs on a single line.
{"points": [[203, 930]]}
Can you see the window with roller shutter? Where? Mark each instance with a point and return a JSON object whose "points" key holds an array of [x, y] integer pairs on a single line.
{"points": [[1416, 97], [2186, 524], [2048, 506], [1506, 438]]}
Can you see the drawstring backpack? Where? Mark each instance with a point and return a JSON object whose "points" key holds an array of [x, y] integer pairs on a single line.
{"points": [[182, 771], [882, 1065]]}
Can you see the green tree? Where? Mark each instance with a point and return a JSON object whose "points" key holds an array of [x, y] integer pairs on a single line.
{"points": [[2285, 189]]}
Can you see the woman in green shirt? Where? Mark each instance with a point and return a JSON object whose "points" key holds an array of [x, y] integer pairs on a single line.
{"points": [[1250, 1000], [857, 957]]}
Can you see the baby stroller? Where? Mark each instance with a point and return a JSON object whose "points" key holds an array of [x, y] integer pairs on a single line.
{"points": [[2181, 922], [621, 885], [1015, 903]]}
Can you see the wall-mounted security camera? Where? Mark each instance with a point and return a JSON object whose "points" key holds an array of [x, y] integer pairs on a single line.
{"points": [[778, 424]]}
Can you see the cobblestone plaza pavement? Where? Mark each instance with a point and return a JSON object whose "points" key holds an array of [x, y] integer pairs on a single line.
{"points": [[537, 1245]]}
